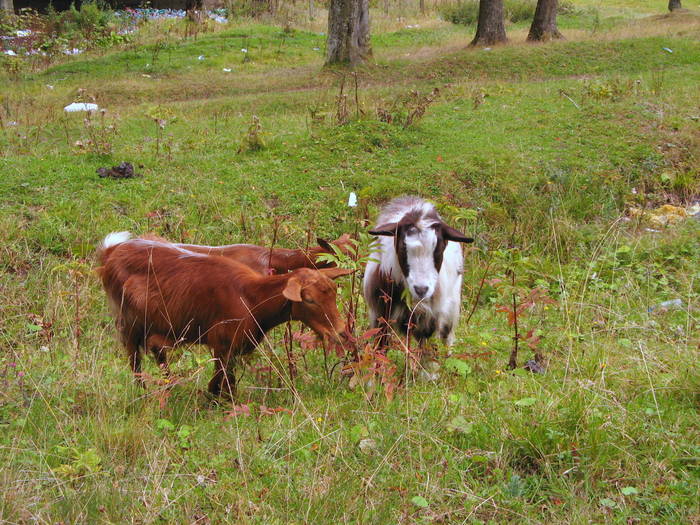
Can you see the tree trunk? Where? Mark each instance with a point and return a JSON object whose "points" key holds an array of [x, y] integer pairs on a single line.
{"points": [[7, 5], [421, 5], [672, 4], [348, 32], [544, 23], [491, 27]]}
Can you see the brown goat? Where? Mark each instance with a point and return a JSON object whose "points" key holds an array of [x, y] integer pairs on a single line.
{"points": [[163, 295], [276, 260]]}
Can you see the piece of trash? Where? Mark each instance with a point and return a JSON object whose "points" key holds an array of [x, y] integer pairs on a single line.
{"points": [[673, 304], [662, 216], [23, 32], [227, 70], [80, 106], [10, 53], [668, 50], [651, 230], [352, 200], [317, 49], [49, 86], [200, 57], [144, 75], [533, 366], [244, 50], [124, 171], [12, 123], [367, 445], [487, 49], [694, 210]]}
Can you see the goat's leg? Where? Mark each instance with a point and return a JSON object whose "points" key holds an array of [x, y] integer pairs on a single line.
{"points": [[158, 346], [217, 378], [133, 351], [224, 378]]}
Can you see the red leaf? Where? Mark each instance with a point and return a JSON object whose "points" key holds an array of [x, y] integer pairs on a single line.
{"points": [[238, 410], [267, 411]]}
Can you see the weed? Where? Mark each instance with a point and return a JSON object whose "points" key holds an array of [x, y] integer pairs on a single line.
{"points": [[254, 139]]}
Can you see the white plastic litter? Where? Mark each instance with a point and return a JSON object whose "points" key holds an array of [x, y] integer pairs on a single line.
{"points": [[10, 53], [80, 106], [668, 50], [352, 200], [227, 70], [200, 57], [244, 50], [23, 32], [673, 304]]}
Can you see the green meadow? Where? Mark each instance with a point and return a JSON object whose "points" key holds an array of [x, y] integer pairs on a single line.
{"points": [[547, 154]]}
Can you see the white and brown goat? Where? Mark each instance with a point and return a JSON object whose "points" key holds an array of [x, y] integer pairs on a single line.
{"points": [[163, 295], [417, 252]]}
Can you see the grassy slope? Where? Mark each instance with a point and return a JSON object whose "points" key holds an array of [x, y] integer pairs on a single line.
{"points": [[617, 408]]}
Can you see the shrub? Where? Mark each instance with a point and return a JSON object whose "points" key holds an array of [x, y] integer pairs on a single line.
{"points": [[91, 19]]}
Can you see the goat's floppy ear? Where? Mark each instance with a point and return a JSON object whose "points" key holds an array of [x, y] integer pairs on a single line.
{"points": [[334, 273], [451, 234], [293, 290], [323, 243], [387, 230]]}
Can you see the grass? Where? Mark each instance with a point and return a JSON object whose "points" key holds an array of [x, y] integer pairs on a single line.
{"points": [[550, 145]]}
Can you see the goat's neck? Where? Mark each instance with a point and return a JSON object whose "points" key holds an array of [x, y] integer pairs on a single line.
{"points": [[266, 303]]}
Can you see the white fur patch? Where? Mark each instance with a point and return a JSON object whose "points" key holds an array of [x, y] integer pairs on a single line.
{"points": [[115, 238], [183, 253], [420, 249]]}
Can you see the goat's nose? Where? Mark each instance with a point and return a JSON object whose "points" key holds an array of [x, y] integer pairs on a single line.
{"points": [[421, 291]]}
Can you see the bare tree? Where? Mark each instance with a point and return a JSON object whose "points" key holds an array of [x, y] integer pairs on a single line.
{"points": [[348, 32], [674, 4], [7, 5], [491, 27], [544, 23]]}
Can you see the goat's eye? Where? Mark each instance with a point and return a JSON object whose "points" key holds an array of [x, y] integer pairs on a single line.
{"points": [[309, 300], [412, 230]]}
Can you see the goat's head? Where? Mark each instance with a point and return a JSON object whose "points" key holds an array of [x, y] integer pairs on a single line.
{"points": [[419, 242], [313, 295]]}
